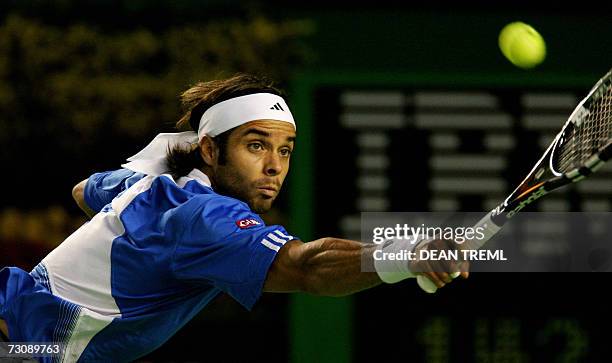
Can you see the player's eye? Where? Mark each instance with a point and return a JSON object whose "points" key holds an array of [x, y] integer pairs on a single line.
{"points": [[255, 146], [285, 152]]}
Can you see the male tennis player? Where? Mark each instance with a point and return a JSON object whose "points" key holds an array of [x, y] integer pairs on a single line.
{"points": [[178, 225]]}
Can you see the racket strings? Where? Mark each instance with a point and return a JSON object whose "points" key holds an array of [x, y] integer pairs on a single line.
{"points": [[588, 136]]}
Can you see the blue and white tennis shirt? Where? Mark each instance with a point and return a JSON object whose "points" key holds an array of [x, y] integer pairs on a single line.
{"points": [[156, 254]]}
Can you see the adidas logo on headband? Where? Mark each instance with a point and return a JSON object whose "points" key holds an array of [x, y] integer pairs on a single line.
{"points": [[277, 107]]}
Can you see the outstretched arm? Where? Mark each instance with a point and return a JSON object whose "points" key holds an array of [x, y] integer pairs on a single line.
{"points": [[327, 266], [333, 267]]}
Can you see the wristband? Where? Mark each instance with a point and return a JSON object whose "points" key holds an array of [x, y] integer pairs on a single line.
{"points": [[394, 267]]}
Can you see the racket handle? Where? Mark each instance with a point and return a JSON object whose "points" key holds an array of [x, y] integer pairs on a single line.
{"points": [[488, 228], [428, 286]]}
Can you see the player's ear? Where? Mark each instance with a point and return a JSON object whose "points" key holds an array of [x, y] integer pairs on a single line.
{"points": [[209, 151]]}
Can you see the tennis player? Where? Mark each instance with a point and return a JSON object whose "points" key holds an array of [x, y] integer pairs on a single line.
{"points": [[179, 224]]}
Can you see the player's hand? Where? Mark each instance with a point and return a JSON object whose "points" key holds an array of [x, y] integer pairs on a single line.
{"points": [[435, 266]]}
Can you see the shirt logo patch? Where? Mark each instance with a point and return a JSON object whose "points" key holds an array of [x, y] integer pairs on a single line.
{"points": [[247, 223]]}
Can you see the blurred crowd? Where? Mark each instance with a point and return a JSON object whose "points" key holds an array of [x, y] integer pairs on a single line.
{"points": [[27, 236]]}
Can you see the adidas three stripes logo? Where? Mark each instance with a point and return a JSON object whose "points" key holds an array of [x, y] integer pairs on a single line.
{"points": [[277, 107], [276, 240]]}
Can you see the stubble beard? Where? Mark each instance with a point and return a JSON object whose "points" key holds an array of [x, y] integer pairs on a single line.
{"points": [[229, 183]]}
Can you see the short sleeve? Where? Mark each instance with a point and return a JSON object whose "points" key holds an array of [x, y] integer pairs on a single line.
{"points": [[102, 188], [227, 245]]}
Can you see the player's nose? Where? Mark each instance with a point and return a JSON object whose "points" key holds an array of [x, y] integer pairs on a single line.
{"points": [[273, 165]]}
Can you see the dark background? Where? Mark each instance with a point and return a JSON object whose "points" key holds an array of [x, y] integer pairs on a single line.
{"points": [[84, 84]]}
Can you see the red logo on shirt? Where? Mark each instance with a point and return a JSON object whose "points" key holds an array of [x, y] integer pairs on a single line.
{"points": [[246, 223]]}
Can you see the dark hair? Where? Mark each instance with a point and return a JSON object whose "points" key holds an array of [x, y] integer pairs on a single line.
{"points": [[199, 98]]}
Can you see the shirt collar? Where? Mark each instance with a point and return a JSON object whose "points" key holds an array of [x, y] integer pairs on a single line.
{"points": [[202, 178]]}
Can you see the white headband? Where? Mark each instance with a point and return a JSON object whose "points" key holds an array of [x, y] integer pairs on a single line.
{"points": [[237, 111], [217, 119]]}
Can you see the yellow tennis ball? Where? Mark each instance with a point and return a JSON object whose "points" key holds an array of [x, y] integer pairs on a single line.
{"points": [[522, 45]]}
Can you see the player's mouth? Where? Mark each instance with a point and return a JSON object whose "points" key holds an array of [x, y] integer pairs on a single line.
{"points": [[269, 191]]}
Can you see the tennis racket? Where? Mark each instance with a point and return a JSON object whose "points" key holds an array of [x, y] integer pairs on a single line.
{"points": [[582, 146]]}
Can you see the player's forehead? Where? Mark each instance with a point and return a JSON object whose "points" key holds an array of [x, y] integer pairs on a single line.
{"points": [[267, 128]]}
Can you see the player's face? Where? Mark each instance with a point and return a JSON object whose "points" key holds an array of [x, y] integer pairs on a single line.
{"points": [[258, 155]]}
